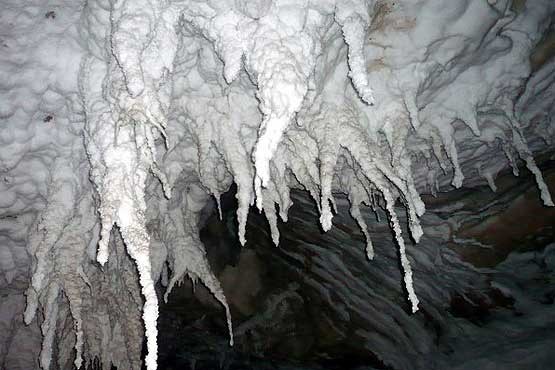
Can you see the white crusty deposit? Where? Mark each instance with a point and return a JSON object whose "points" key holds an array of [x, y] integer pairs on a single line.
{"points": [[133, 113]]}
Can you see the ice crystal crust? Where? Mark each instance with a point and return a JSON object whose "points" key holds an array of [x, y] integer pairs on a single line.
{"points": [[133, 113]]}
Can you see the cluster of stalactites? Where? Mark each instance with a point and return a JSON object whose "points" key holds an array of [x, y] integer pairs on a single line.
{"points": [[318, 153], [279, 42], [126, 101], [337, 147]]}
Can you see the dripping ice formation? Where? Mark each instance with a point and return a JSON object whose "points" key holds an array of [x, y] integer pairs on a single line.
{"points": [[161, 105]]}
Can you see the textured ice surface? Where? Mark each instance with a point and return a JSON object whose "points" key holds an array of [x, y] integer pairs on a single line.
{"points": [[104, 103]]}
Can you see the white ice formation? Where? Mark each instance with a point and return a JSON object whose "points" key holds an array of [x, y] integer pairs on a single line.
{"points": [[132, 113]]}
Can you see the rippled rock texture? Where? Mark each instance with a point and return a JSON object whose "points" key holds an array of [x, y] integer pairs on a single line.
{"points": [[316, 303]]}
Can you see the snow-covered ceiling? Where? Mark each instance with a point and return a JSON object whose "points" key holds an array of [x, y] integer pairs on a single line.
{"points": [[134, 113]]}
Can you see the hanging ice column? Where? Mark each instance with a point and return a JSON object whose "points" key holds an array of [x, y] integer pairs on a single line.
{"points": [[121, 114], [281, 62], [352, 16]]}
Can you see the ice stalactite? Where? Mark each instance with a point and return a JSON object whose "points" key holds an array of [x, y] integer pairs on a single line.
{"points": [[402, 250], [120, 161], [281, 61], [353, 18], [355, 213], [119, 133], [186, 255], [528, 158], [57, 242]]}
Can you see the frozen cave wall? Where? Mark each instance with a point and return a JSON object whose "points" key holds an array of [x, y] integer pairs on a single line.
{"points": [[121, 120]]}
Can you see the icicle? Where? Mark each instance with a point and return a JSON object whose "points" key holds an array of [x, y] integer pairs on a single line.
{"points": [[524, 153], [355, 212], [414, 224], [376, 176], [436, 149], [78, 322], [414, 204], [180, 233], [285, 202], [511, 159], [272, 130], [491, 182], [242, 214], [354, 31], [327, 165], [48, 326], [326, 215], [281, 77], [390, 202], [137, 241], [271, 216], [217, 196], [215, 288], [373, 203], [229, 43], [281, 185], [451, 151], [238, 161], [106, 224]]}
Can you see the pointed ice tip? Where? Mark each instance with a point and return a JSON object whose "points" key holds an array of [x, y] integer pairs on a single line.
{"points": [[415, 307], [368, 97], [417, 238], [259, 205], [457, 178], [168, 193], [326, 221], [101, 257], [258, 193], [416, 232]]}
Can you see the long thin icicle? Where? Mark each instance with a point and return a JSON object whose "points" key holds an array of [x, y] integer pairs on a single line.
{"points": [[390, 202]]}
